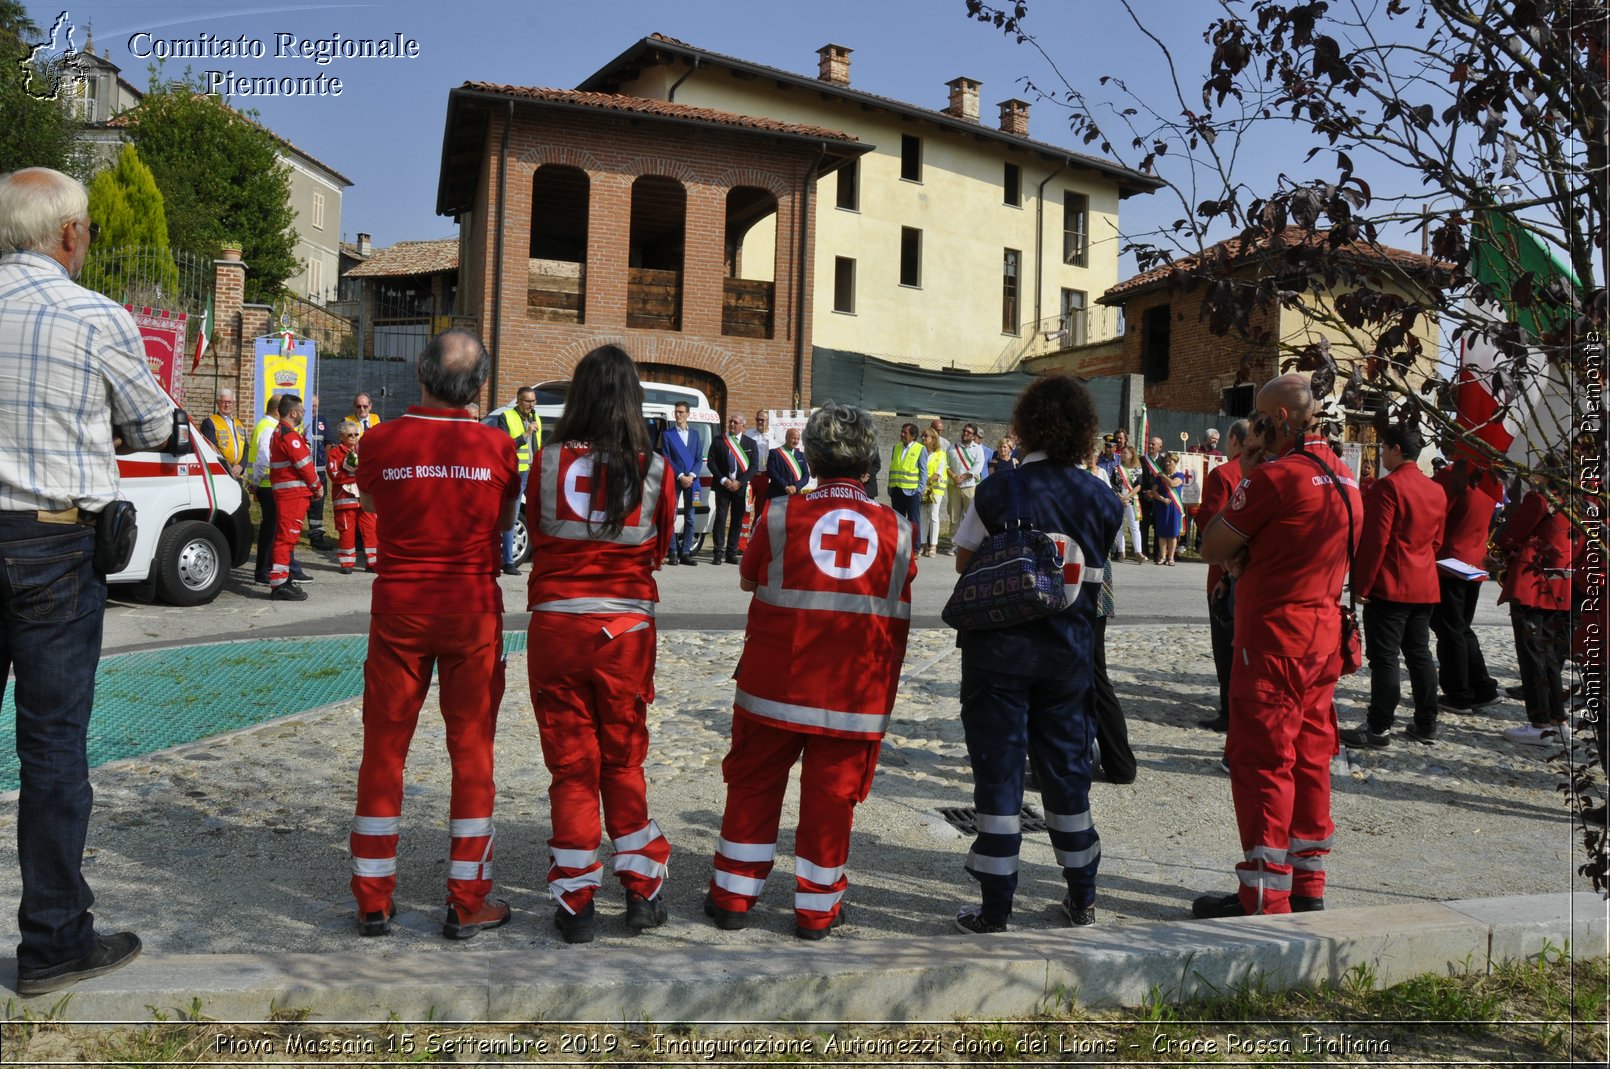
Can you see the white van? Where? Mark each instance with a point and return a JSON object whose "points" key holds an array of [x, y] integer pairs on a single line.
{"points": [[193, 521], [659, 404]]}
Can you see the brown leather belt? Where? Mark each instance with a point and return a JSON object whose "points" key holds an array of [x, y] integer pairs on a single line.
{"points": [[68, 515]]}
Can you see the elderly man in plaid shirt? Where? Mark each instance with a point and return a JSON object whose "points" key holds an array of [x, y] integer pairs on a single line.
{"points": [[73, 377]]}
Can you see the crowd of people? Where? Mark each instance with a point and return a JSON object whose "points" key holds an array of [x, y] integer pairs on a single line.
{"points": [[830, 570]]}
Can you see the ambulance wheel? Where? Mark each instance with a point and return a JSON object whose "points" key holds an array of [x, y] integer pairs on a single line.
{"points": [[522, 539], [191, 564]]}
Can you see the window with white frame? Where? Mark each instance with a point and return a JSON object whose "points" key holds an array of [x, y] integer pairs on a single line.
{"points": [[1075, 228], [318, 211]]}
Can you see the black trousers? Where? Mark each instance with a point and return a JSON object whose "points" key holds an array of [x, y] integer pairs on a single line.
{"points": [[1148, 528], [1221, 633], [1112, 734], [1542, 638], [1392, 628], [729, 523], [1461, 668], [265, 534]]}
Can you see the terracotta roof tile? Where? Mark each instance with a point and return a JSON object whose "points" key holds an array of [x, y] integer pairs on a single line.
{"points": [[632, 105], [409, 258], [1233, 251]]}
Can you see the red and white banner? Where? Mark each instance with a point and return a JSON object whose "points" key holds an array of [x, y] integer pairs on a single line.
{"points": [[164, 335]]}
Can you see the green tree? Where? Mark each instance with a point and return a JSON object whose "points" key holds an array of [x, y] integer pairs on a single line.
{"points": [[131, 261], [221, 179], [35, 132]]}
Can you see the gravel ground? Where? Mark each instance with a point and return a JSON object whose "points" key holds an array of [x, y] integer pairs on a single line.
{"points": [[238, 843]]}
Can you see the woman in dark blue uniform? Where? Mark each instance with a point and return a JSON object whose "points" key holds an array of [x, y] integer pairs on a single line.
{"points": [[1028, 689]]}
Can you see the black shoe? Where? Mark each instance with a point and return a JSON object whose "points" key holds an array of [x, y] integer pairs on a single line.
{"points": [[1208, 907], [511, 569], [1423, 735], [1218, 723], [814, 934], [300, 576], [575, 927], [728, 920], [346, 571], [1078, 916], [1517, 693], [494, 913], [109, 952], [260, 580], [1362, 738], [288, 592], [320, 543], [690, 562], [1456, 706], [973, 921], [716, 559], [671, 562], [732, 558], [378, 922], [1307, 904], [645, 912]]}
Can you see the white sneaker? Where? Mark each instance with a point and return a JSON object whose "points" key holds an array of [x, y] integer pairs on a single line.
{"points": [[1532, 735]]}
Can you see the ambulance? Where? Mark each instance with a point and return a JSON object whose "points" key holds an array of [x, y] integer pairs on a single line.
{"points": [[193, 520], [659, 409]]}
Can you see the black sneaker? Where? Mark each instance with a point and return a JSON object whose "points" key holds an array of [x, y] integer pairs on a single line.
{"points": [[1423, 735], [1362, 738], [732, 558], [109, 952], [1307, 904], [1459, 708], [1218, 723], [671, 561], [814, 934], [716, 559], [1078, 916], [688, 561], [377, 922], [494, 913], [1517, 693], [973, 921], [1208, 907], [645, 912], [511, 569], [300, 576], [728, 920], [575, 927], [288, 592]]}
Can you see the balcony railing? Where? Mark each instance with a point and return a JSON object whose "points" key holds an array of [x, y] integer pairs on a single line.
{"points": [[1056, 334]]}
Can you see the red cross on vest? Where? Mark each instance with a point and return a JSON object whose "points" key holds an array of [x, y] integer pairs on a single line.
{"points": [[844, 544]]}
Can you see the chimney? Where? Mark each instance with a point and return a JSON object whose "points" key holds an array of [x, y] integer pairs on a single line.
{"points": [[363, 244], [964, 98], [834, 65], [1015, 117]]}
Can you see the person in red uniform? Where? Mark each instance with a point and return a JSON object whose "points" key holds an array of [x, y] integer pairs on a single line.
{"points": [[1537, 586], [1461, 669], [831, 572], [294, 481], [443, 486], [1216, 490], [350, 515], [601, 519], [1395, 573], [1286, 533]]}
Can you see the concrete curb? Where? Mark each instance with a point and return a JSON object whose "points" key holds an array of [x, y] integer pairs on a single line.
{"points": [[926, 979]]}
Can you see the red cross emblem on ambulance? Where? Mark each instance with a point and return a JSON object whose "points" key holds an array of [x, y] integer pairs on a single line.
{"points": [[844, 544]]}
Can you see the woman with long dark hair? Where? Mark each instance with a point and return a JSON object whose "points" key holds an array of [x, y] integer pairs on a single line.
{"points": [[1029, 689], [601, 520]]}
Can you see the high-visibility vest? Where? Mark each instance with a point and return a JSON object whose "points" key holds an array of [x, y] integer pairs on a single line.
{"points": [[251, 445], [516, 427], [229, 437], [903, 473]]}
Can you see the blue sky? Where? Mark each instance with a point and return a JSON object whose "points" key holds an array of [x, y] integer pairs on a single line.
{"points": [[384, 130]]}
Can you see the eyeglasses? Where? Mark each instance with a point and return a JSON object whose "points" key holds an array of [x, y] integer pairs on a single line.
{"points": [[363, 406]]}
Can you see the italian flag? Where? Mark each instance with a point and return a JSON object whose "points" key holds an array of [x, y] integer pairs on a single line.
{"points": [[203, 335], [1518, 402]]}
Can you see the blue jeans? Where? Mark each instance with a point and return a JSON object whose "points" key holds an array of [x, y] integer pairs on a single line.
{"points": [[1004, 717], [51, 607], [508, 536]]}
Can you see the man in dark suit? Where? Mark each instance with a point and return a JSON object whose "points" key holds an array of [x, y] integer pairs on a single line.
{"points": [[732, 462], [1395, 569], [680, 444], [787, 471]]}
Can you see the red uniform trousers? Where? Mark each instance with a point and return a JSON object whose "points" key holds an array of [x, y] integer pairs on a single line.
{"points": [[1281, 740], [349, 520], [592, 678], [467, 652], [837, 775], [291, 511]]}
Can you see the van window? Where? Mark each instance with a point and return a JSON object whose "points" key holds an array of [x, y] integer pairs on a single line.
{"points": [[671, 397]]}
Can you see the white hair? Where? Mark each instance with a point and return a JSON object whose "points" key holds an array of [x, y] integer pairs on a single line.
{"points": [[35, 203]]}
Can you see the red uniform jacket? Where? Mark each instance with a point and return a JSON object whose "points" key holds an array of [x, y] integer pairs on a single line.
{"points": [[1216, 490], [1539, 542], [343, 483], [828, 624], [1404, 514], [290, 462], [1469, 519]]}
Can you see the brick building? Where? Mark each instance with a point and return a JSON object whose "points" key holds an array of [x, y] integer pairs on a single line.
{"points": [[591, 218]]}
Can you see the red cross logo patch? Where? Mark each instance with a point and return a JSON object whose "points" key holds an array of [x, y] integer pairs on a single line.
{"points": [[1073, 565], [844, 544], [578, 487]]}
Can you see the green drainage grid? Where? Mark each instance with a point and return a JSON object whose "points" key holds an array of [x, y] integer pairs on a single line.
{"points": [[156, 699]]}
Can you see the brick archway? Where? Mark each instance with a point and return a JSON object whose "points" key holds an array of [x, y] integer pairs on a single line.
{"points": [[712, 386]]}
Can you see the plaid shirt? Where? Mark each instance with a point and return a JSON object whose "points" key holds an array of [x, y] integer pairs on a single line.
{"points": [[72, 365]]}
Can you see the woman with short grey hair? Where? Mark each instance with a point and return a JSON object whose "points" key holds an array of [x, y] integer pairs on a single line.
{"points": [[840, 441]]}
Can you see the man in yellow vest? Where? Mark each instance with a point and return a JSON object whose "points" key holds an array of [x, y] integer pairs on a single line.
{"points": [[363, 412], [225, 433], [908, 474], [523, 425]]}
